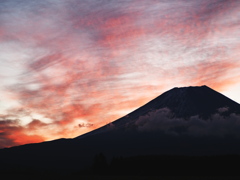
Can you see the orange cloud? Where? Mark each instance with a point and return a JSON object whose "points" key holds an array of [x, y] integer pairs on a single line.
{"points": [[20, 138], [12, 134]]}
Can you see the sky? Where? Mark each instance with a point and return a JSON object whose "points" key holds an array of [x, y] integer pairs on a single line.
{"points": [[70, 66]]}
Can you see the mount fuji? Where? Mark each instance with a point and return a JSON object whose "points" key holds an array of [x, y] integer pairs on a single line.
{"points": [[182, 103]]}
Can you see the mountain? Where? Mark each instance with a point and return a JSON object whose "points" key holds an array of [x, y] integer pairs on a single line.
{"points": [[184, 102], [182, 121]]}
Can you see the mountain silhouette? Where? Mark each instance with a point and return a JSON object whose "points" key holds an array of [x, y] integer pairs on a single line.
{"points": [[189, 101], [182, 121], [183, 102]]}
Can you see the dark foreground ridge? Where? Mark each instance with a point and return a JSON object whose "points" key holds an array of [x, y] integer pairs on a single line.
{"points": [[140, 167], [122, 148]]}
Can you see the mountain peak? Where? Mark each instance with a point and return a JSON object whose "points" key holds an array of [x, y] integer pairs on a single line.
{"points": [[203, 86], [194, 100], [190, 87]]}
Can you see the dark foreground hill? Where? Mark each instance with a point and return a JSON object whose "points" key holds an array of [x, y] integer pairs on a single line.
{"points": [[185, 131]]}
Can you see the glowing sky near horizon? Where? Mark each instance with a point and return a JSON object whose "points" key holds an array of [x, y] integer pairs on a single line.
{"points": [[89, 62]]}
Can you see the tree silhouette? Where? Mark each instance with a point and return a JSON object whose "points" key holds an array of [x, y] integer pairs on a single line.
{"points": [[100, 164]]}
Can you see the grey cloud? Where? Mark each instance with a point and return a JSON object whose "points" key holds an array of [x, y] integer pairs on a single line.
{"points": [[217, 125], [223, 109]]}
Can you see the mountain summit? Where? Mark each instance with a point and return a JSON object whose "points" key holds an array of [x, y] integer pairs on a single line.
{"points": [[194, 100]]}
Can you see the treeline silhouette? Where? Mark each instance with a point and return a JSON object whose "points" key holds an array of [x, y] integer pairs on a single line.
{"points": [[167, 165], [138, 166]]}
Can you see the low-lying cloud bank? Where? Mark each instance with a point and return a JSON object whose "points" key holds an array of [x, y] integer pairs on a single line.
{"points": [[217, 125]]}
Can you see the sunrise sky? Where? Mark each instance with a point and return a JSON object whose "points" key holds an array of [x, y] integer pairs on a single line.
{"points": [[70, 66]]}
